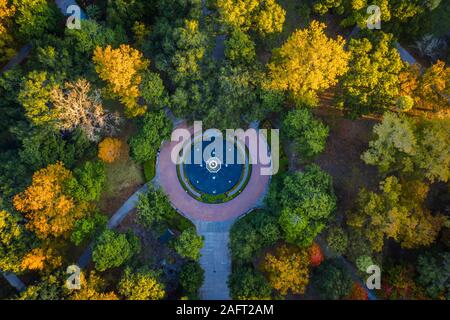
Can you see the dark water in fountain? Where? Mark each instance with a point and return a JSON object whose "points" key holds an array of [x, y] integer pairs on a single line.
{"points": [[214, 183]]}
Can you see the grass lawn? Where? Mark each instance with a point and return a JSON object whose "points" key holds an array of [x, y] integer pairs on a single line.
{"points": [[123, 177]]}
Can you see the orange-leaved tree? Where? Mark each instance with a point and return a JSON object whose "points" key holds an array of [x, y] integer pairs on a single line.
{"points": [[39, 259], [316, 255], [287, 269], [50, 211], [121, 69], [109, 149]]}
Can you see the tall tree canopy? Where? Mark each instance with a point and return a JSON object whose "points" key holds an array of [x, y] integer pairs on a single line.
{"points": [[307, 200], [262, 16], [308, 62], [398, 212], [49, 209], [372, 82], [122, 68]]}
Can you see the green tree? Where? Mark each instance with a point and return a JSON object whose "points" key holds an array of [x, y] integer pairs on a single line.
{"points": [[87, 227], [112, 249], [88, 181], [239, 48], [308, 134], [12, 242], [416, 149], [189, 244], [433, 274], [35, 96], [191, 279], [332, 280], [394, 145], [307, 200], [153, 207], [153, 91], [35, 17], [141, 285], [372, 82], [154, 128], [250, 234], [247, 284], [337, 240]]}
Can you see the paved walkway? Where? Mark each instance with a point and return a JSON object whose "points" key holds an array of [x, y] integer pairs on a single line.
{"points": [[215, 258]]}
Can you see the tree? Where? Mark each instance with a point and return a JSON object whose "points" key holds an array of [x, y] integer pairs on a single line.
{"points": [[240, 48], [121, 69], [48, 287], [358, 293], [34, 18], [308, 134], [13, 242], [433, 274], [308, 62], [49, 209], [316, 255], [427, 90], [337, 240], [44, 146], [153, 207], [6, 38], [307, 200], [35, 96], [87, 227], [415, 149], [77, 107], [110, 149], [92, 288], [399, 16], [87, 182], [191, 278], [153, 91], [251, 233], [372, 82], [332, 280], [398, 213], [247, 284], [154, 128], [189, 244], [141, 285], [112, 249], [394, 145], [40, 259], [263, 16], [288, 269]]}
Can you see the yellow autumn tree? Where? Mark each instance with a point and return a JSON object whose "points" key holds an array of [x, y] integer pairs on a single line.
{"points": [[6, 40], [121, 69], [49, 211], [308, 62], [91, 289], [288, 269], [40, 259], [263, 16], [109, 150]]}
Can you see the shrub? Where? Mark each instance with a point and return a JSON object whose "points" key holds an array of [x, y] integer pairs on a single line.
{"points": [[191, 278]]}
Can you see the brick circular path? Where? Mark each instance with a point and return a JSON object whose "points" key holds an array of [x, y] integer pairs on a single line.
{"points": [[196, 210]]}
